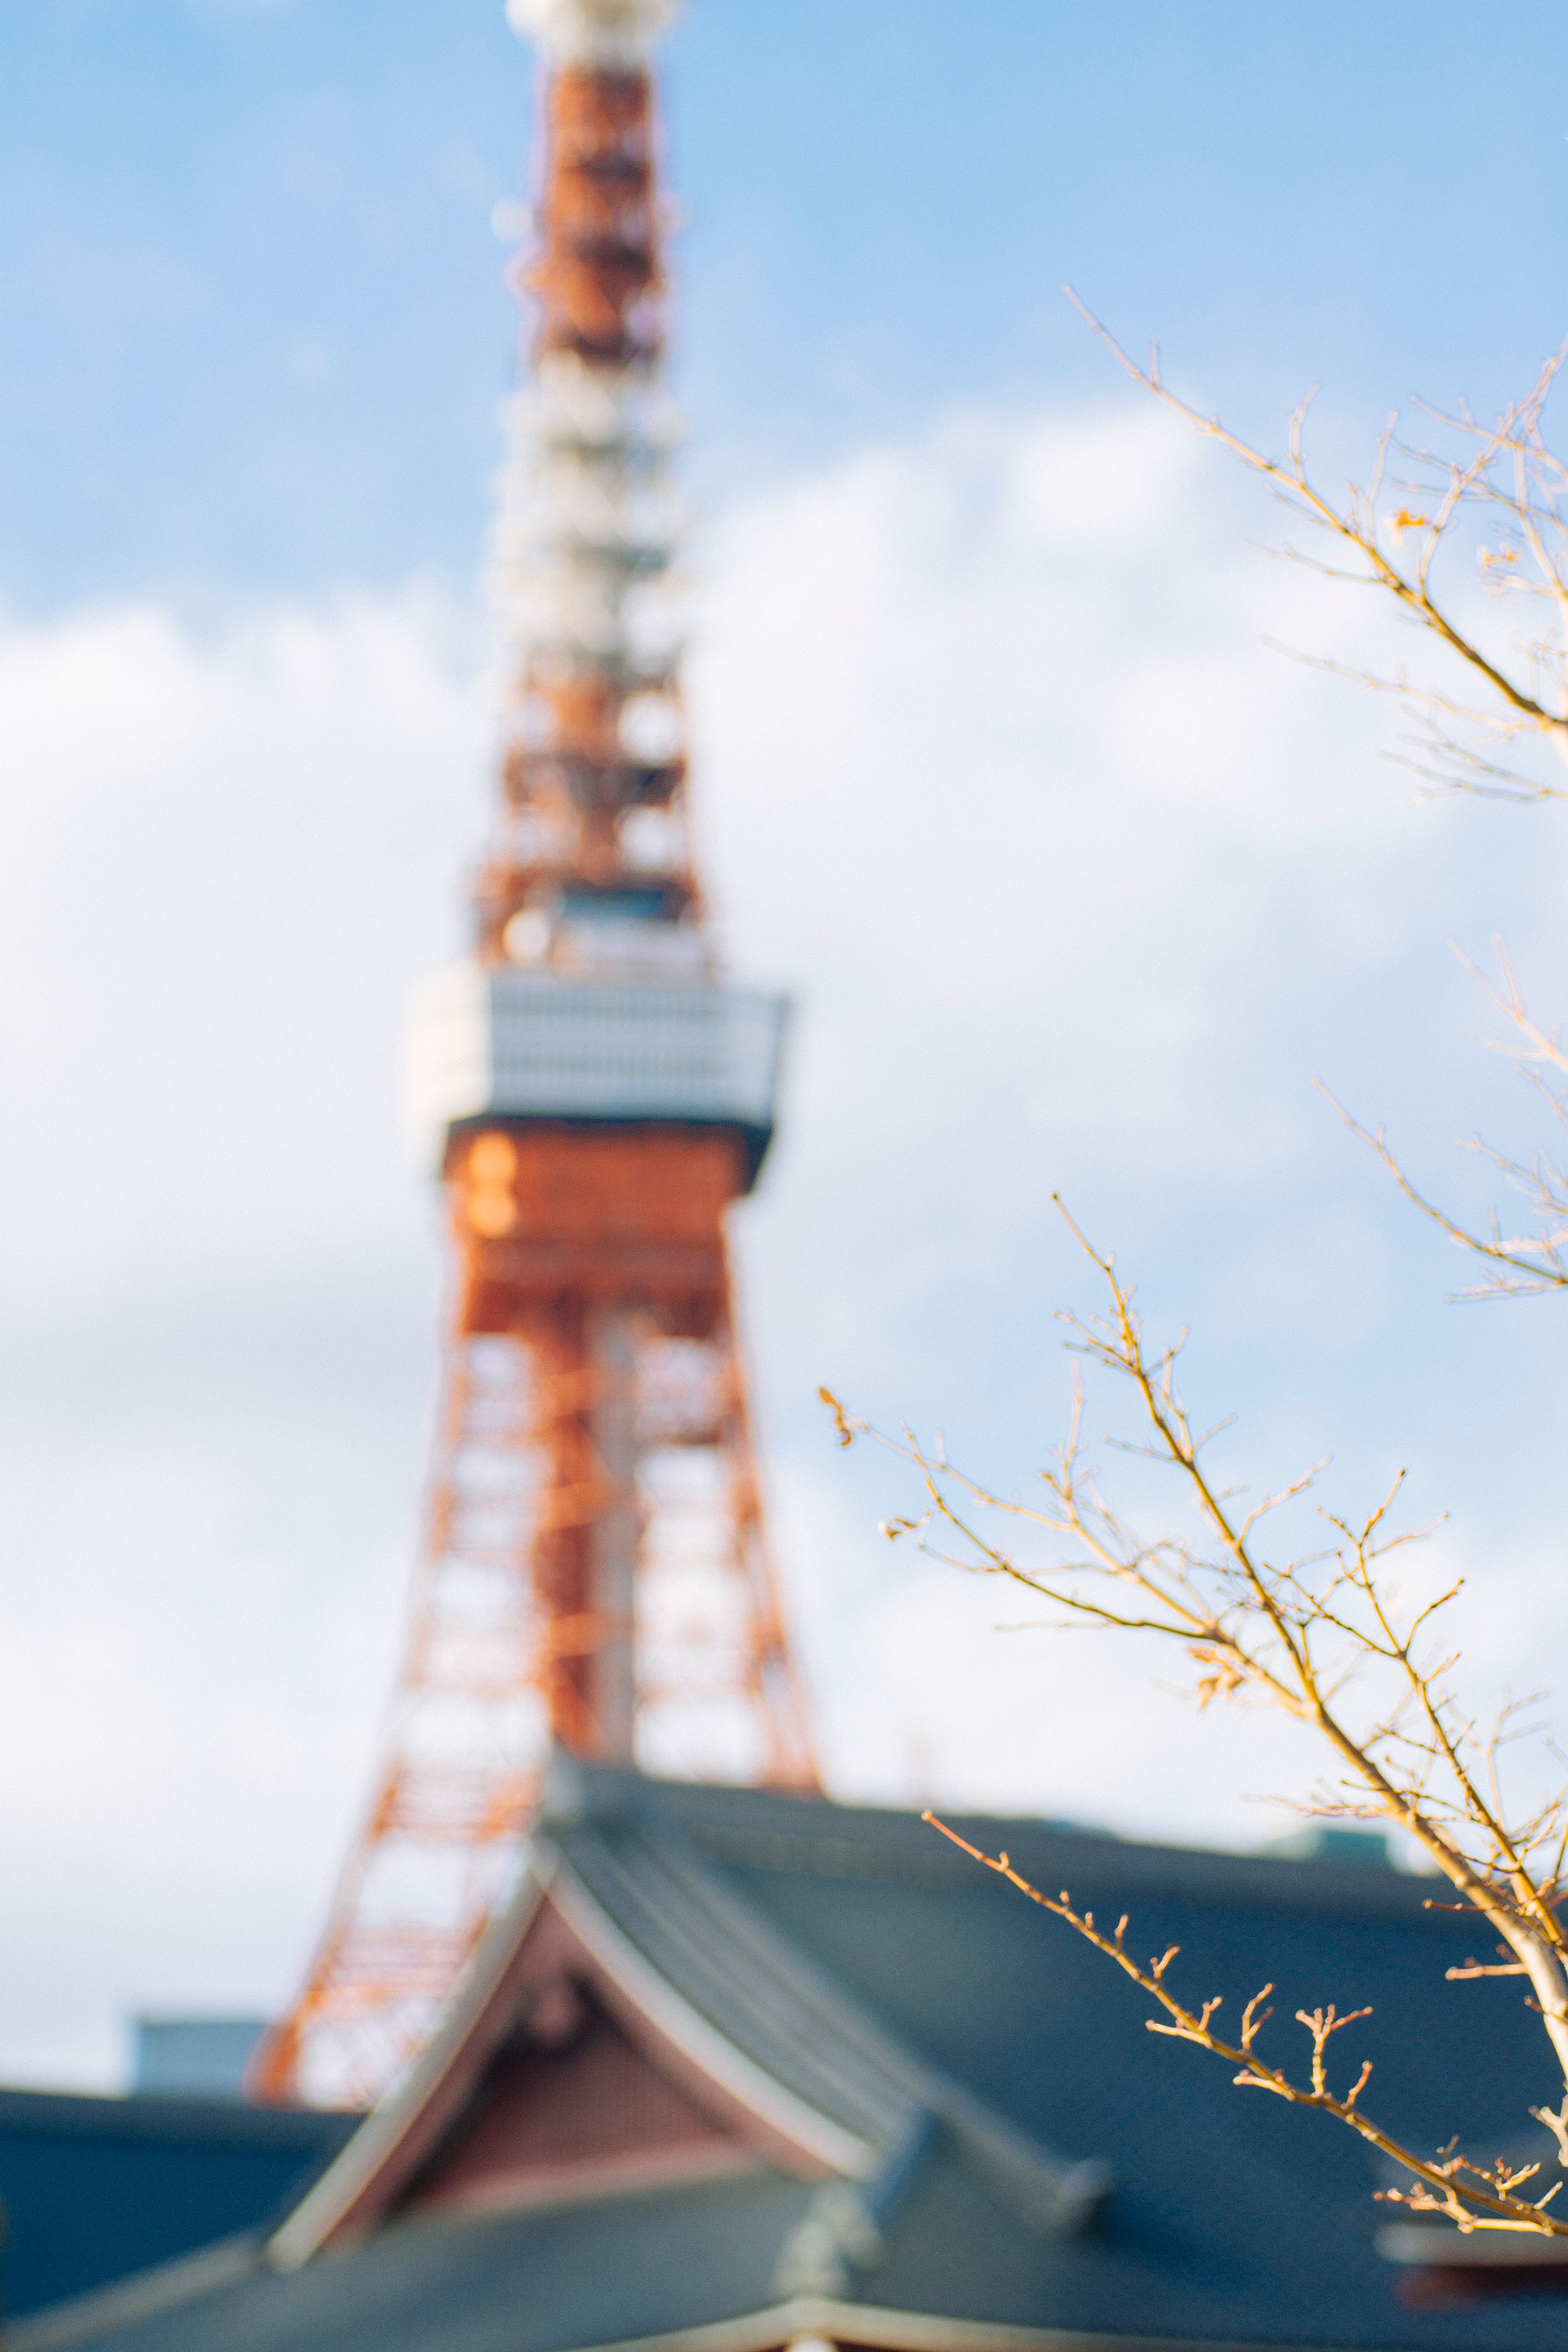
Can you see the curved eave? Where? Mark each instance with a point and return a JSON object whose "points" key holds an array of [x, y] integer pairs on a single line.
{"points": [[346, 2182], [841, 2322], [349, 2196]]}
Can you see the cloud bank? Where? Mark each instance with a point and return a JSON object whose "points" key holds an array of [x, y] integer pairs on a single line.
{"points": [[1077, 882]]}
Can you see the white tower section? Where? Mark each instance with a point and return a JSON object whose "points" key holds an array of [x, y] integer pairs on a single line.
{"points": [[606, 34], [592, 993]]}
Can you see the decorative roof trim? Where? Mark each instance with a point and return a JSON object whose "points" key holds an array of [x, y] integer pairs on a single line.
{"points": [[144, 2295], [784, 2322], [325, 2205], [842, 2323], [596, 2181], [1439, 2248], [816, 2134]]}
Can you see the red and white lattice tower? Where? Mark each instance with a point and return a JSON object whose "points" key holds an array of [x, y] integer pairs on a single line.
{"points": [[594, 1571]]}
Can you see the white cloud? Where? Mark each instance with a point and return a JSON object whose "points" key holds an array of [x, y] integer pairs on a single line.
{"points": [[1004, 776], [1065, 865], [223, 866], [1083, 882], [999, 738], [937, 1687]]}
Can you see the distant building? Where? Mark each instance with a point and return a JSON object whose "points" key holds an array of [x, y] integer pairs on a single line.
{"points": [[1329, 1841], [740, 2071], [194, 2057]]}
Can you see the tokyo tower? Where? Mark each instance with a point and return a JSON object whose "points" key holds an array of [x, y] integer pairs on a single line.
{"points": [[594, 1569]]}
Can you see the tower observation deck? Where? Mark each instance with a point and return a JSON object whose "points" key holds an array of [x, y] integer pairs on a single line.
{"points": [[595, 1093]]}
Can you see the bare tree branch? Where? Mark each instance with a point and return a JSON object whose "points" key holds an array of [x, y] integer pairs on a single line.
{"points": [[1321, 1637], [1521, 1264], [1473, 2196], [1417, 507]]}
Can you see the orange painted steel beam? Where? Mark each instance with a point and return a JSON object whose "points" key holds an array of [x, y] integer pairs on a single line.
{"points": [[594, 1572]]}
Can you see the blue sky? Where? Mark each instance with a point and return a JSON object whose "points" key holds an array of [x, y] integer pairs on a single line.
{"points": [[254, 325], [1077, 884]]}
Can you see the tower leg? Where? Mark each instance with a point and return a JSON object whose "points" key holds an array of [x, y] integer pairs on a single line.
{"points": [[616, 1534], [594, 1575]]}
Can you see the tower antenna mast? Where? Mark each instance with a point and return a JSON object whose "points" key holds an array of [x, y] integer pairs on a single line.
{"points": [[594, 1571]]}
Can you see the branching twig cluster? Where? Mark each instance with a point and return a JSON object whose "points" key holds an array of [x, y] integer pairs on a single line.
{"points": [[1497, 489], [1517, 1264], [1321, 1639], [1497, 494], [1472, 2195]]}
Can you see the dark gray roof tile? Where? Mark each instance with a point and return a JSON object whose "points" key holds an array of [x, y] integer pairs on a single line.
{"points": [[963, 2033]]}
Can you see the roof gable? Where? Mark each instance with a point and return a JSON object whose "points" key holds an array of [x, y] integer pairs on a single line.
{"points": [[889, 2043], [570, 2105], [561, 2073], [632, 2021]]}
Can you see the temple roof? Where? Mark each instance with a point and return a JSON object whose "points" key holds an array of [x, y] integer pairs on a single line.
{"points": [[811, 2072], [93, 2189]]}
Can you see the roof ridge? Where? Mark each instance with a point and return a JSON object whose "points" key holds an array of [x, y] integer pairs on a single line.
{"points": [[811, 1991], [881, 1834], [1047, 2190]]}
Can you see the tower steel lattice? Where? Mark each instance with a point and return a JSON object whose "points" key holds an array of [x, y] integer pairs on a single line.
{"points": [[594, 1569]]}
